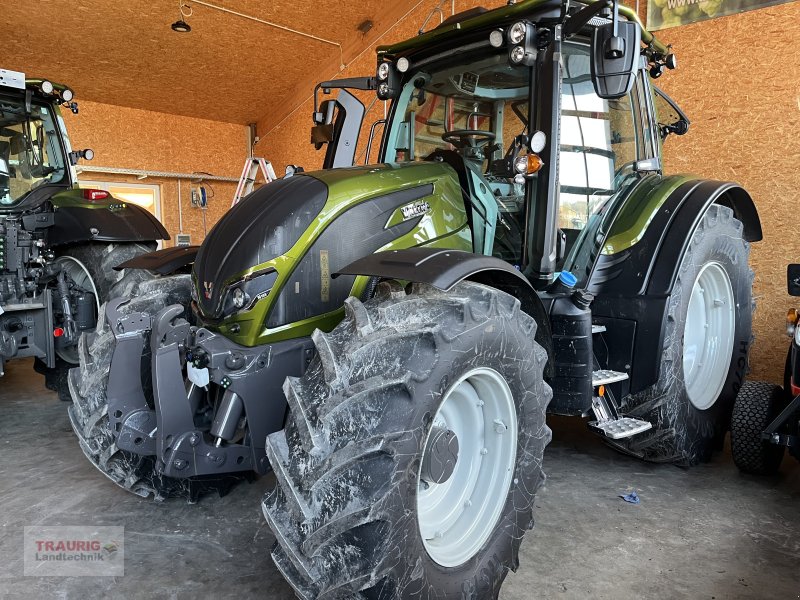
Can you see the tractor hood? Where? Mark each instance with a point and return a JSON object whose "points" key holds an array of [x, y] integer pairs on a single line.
{"points": [[261, 227], [269, 222]]}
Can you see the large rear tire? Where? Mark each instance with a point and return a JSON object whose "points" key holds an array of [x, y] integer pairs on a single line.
{"points": [[98, 262], [356, 510], [757, 404], [704, 358]]}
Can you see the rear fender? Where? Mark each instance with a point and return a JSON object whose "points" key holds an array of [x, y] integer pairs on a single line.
{"points": [[115, 222], [632, 285]]}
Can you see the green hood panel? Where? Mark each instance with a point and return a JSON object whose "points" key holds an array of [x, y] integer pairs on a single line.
{"points": [[367, 209]]}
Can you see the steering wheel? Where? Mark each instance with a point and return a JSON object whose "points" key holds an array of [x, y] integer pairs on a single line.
{"points": [[468, 138]]}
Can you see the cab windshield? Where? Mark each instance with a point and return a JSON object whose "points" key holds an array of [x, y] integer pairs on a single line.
{"points": [[30, 149]]}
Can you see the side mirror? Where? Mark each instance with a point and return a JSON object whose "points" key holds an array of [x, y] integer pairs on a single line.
{"points": [[615, 58], [793, 279], [670, 117]]}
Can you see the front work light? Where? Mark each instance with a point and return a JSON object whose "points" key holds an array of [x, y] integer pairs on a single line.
{"points": [[517, 32]]}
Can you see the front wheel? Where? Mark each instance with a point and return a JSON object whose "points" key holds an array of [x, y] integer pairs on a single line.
{"points": [[706, 343], [414, 449]]}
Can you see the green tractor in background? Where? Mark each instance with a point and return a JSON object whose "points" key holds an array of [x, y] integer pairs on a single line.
{"points": [[58, 243], [388, 338]]}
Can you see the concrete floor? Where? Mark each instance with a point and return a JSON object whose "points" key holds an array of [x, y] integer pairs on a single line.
{"points": [[704, 533]]}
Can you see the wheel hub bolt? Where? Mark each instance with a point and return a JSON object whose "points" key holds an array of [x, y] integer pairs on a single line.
{"points": [[179, 464], [499, 426], [484, 451]]}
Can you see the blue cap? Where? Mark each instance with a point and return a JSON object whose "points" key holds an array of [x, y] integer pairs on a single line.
{"points": [[567, 278]]}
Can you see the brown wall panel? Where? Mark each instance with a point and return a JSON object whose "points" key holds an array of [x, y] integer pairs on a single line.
{"points": [[131, 138], [738, 81]]}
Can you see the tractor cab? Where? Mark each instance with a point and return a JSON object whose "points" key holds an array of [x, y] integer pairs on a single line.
{"points": [[547, 126]]}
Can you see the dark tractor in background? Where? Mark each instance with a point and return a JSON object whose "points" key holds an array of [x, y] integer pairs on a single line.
{"points": [[766, 417], [58, 243], [388, 338]]}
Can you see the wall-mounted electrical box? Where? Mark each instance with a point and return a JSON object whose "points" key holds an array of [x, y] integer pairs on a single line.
{"points": [[183, 239], [199, 197]]}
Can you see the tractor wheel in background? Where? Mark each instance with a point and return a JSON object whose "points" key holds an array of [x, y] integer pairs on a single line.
{"points": [[413, 450], [92, 267], [706, 344], [757, 404]]}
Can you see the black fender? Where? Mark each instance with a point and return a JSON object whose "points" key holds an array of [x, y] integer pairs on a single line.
{"points": [[164, 261], [445, 268], [632, 287], [114, 223]]}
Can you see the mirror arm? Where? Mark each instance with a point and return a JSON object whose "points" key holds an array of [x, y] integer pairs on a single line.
{"points": [[583, 16], [354, 83]]}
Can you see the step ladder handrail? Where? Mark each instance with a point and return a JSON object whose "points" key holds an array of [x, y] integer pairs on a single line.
{"points": [[252, 165]]}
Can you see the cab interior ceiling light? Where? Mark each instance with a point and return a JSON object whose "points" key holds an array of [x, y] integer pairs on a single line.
{"points": [[257, 20]]}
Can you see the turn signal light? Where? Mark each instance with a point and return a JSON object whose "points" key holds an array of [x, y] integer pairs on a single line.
{"points": [[95, 195], [528, 164], [791, 321], [534, 163]]}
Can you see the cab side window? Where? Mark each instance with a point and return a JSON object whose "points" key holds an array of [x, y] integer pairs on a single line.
{"points": [[600, 141]]}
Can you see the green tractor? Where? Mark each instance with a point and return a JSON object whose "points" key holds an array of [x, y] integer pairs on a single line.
{"points": [[58, 243], [388, 338]]}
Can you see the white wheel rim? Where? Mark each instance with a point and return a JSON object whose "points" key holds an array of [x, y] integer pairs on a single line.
{"points": [[78, 272], [708, 335], [457, 517]]}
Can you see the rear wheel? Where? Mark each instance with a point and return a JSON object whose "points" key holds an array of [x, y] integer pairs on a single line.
{"points": [[706, 343], [757, 404], [410, 461], [91, 267]]}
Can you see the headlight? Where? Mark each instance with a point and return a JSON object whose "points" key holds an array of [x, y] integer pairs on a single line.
{"points": [[403, 64], [517, 54], [67, 95], [245, 293], [47, 87], [239, 297], [383, 71], [521, 164], [517, 32], [383, 90]]}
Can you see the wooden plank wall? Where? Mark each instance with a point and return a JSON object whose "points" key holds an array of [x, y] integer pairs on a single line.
{"points": [[132, 138]]}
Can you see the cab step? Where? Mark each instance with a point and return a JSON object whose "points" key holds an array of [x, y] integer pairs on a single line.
{"points": [[611, 423], [606, 377], [622, 427]]}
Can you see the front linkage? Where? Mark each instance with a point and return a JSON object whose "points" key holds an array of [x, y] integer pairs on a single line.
{"points": [[238, 381]]}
